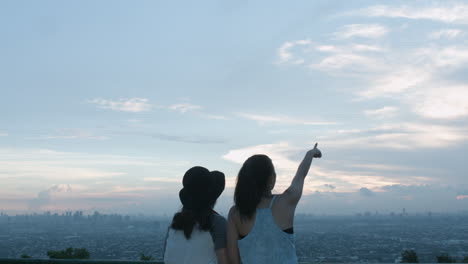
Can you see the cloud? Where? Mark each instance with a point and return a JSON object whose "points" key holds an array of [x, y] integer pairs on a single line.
{"points": [[74, 134], [216, 117], [361, 30], [420, 77], [44, 165], [285, 51], [399, 136], [444, 102], [184, 107], [446, 33], [133, 105], [329, 186], [188, 139], [461, 197], [353, 57], [278, 152], [382, 113], [44, 197], [397, 82], [281, 119], [345, 60], [425, 84], [451, 13], [366, 192], [3, 134]]}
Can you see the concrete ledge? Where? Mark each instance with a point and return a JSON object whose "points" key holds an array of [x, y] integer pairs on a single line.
{"points": [[70, 261]]}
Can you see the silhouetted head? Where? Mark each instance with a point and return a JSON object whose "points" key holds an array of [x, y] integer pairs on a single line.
{"points": [[255, 180], [198, 196], [201, 188]]}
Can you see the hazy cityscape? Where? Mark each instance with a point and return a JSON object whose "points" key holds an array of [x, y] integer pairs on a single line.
{"points": [[365, 237]]}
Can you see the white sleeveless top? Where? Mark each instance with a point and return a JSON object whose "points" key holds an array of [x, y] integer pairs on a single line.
{"points": [[198, 249]]}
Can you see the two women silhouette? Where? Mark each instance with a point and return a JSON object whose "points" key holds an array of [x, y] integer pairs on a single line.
{"points": [[260, 225]]}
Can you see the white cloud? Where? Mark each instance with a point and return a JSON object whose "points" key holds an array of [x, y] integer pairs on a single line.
{"points": [[345, 60], [424, 83], [216, 117], [44, 197], [446, 33], [3, 134], [278, 152], [134, 105], [362, 47], [444, 102], [353, 57], [397, 82], [453, 13], [74, 134], [382, 113], [47, 170], [362, 30], [184, 107], [287, 56], [421, 78], [399, 136], [281, 119], [449, 57]]}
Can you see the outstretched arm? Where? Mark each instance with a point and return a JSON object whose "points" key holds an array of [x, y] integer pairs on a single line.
{"points": [[294, 192]]}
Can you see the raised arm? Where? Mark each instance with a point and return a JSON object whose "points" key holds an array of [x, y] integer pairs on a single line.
{"points": [[232, 237], [294, 192]]}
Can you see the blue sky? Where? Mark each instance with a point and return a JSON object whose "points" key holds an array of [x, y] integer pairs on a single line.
{"points": [[106, 104]]}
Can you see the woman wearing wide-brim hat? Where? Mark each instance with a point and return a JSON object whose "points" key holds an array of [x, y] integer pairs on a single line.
{"points": [[197, 233]]}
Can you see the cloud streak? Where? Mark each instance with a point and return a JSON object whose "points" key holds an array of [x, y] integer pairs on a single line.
{"points": [[281, 119], [382, 113], [451, 13], [399, 136], [184, 107], [133, 105], [446, 33], [44, 197], [362, 30]]}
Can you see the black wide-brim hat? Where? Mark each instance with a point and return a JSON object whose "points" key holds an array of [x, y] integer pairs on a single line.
{"points": [[201, 187]]}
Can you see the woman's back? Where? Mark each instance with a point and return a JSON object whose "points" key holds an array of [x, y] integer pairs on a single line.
{"points": [[258, 233], [200, 248], [266, 242]]}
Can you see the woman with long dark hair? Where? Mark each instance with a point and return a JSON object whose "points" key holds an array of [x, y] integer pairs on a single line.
{"points": [[260, 225], [197, 233]]}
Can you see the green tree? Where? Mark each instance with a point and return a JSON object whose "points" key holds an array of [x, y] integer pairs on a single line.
{"points": [[445, 258], [409, 256], [145, 258], [69, 253], [25, 256]]}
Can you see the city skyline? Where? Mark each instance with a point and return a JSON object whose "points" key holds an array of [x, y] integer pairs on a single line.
{"points": [[106, 104]]}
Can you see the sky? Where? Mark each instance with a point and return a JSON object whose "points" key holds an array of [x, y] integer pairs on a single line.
{"points": [[105, 104]]}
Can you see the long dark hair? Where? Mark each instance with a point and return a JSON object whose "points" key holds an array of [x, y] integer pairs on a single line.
{"points": [[186, 219], [252, 184]]}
